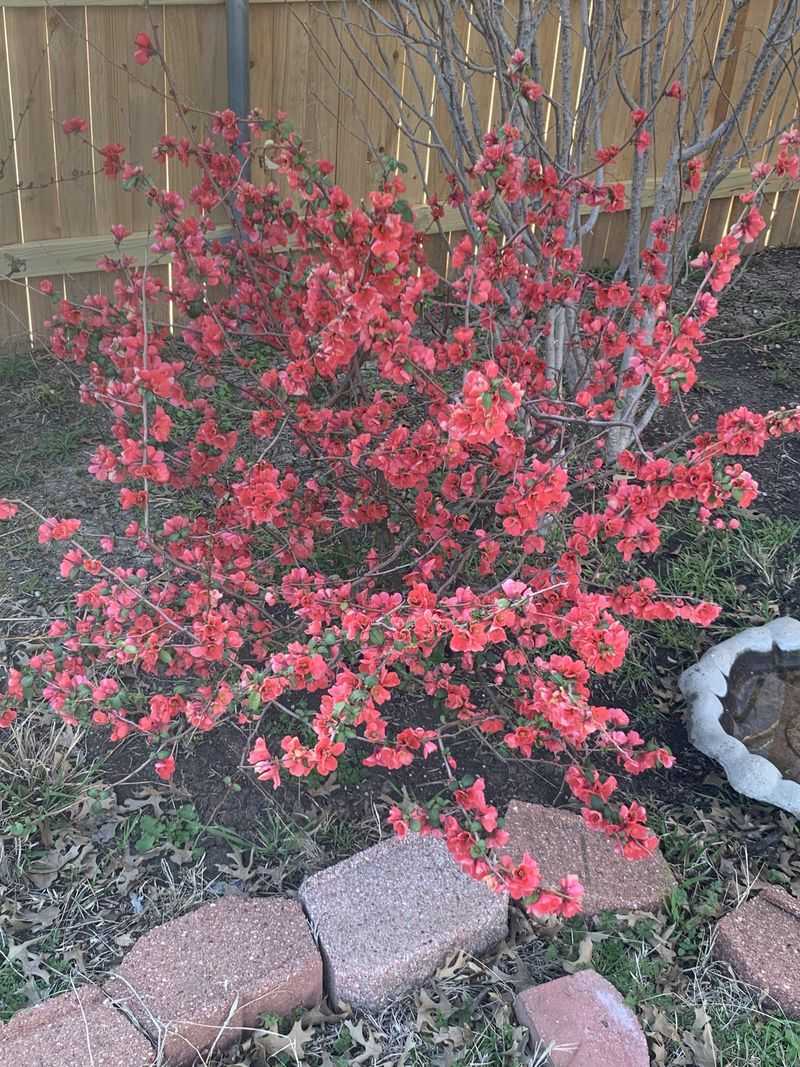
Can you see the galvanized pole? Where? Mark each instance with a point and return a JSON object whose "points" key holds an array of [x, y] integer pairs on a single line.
{"points": [[238, 27]]}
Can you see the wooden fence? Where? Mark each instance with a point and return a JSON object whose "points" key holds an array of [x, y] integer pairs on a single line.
{"points": [[76, 59]]}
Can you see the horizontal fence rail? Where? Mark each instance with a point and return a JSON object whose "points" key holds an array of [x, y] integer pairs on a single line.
{"points": [[76, 59], [77, 255]]}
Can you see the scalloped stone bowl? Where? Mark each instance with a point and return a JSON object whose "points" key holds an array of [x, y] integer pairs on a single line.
{"points": [[744, 711]]}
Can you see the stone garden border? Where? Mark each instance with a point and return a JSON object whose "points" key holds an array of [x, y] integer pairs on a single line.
{"points": [[204, 980], [706, 682]]}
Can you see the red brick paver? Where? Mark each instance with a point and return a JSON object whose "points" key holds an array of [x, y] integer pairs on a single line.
{"points": [[389, 916], [73, 1030], [200, 979], [561, 844], [586, 1022], [761, 942]]}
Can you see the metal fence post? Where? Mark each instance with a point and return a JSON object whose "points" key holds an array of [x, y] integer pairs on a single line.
{"points": [[238, 29]]}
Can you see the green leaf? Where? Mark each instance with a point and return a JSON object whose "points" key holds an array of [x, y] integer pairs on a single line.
{"points": [[404, 208]]}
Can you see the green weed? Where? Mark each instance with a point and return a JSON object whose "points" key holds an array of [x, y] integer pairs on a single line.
{"points": [[43, 778], [180, 829], [761, 1042], [12, 988], [747, 572]]}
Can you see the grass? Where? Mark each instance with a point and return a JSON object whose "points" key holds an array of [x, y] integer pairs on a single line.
{"points": [[47, 447], [663, 964], [712, 563], [13, 986], [764, 1041], [751, 573], [86, 868], [48, 423], [179, 829], [44, 777], [46, 782], [286, 845]]}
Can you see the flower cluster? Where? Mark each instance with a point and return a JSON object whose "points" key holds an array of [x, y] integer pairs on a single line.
{"points": [[371, 487]]}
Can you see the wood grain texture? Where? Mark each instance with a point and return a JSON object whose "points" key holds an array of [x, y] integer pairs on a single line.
{"points": [[43, 306], [414, 141], [128, 107], [304, 61], [9, 210], [548, 41], [720, 212], [324, 62], [197, 58], [279, 66], [77, 255], [756, 26], [30, 88], [368, 112], [439, 168], [69, 73], [14, 319], [785, 218], [73, 255], [110, 48], [14, 323], [88, 283]]}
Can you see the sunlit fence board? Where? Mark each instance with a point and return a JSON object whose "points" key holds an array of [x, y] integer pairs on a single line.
{"points": [[333, 69]]}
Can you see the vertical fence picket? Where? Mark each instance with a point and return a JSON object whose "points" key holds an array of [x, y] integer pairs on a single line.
{"points": [[128, 106], [322, 96], [191, 32], [69, 71], [35, 146], [14, 321], [326, 65], [30, 83]]}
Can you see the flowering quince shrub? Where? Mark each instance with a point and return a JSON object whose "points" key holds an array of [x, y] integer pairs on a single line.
{"points": [[344, 495]]}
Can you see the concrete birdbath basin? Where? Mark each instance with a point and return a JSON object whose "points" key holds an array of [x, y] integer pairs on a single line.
{"points": [[744, 711]]}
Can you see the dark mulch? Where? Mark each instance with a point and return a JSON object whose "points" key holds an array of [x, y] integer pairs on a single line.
{"points": [[753, 359]]}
